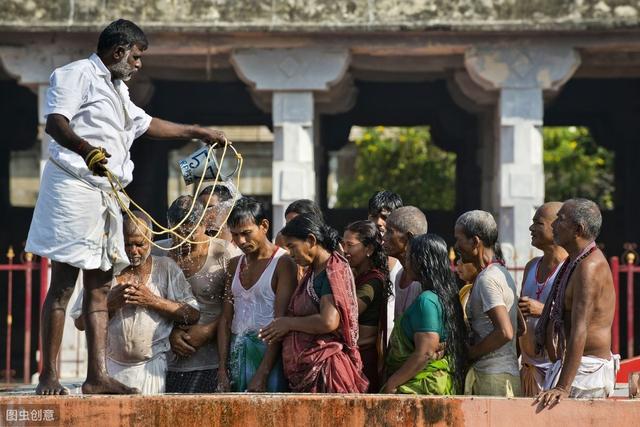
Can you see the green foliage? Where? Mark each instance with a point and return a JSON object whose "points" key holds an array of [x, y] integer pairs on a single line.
{"points": [[575, 166], [403, 160]]}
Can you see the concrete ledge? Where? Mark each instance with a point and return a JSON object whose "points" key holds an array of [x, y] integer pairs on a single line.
{"points": [[315, 410]]}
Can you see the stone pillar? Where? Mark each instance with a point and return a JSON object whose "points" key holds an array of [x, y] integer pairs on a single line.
{"points": [[294, 174], [520, 74], [295, 80]]}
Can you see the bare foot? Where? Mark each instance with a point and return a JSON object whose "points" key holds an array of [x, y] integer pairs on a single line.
{"points": [[107, 385], [49, 384]]}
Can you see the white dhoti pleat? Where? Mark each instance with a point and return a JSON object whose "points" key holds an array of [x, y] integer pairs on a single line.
{"points": [[76, 223], [149, 376], [596, 378]]}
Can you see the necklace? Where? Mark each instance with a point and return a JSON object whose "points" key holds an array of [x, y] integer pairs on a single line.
{"points": [[540, 289]]}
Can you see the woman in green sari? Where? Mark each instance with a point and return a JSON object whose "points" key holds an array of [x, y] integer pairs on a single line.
{"points": [[426, 350]]}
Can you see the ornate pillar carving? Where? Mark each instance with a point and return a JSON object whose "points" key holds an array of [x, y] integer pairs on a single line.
{"points": [[297, 82], [518, 74]]}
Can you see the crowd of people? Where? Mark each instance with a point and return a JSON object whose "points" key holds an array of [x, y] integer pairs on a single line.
{"points": [[221, 307], [322, 312]]}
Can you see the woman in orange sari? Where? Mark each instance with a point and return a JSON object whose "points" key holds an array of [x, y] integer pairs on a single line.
{"points": [[320, 332]]}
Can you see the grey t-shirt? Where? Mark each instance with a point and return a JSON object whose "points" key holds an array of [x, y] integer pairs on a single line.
{"points": [[493, 287]]}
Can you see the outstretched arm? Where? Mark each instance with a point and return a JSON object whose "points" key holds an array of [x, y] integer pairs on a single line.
{"points": [[163, 129]]}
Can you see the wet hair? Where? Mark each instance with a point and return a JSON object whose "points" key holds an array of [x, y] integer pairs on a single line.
{"points": [[303, 225], [179, 209], [121, 33], [586, 213], [429, 260], [246, 208], [221, 191], [384, 201], [369, 235], [479, 223], [408, 219], [132, 226], [304, 206]]}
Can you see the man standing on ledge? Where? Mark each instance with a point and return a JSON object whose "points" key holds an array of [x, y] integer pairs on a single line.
{"points": [[581, 308], [77, 222]]}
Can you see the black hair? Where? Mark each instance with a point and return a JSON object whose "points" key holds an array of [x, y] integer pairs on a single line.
{"points": [[369, 235], [180, 208], [222, 191], [303, 225], [121, 33], [429, 260], [384, 201], [246, 208], [304, 206]]}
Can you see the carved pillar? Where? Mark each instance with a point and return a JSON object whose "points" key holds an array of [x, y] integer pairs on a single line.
{"points": [[520, 74], [295, 81]]}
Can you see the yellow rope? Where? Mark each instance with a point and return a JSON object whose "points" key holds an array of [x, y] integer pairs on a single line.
{"points": [[116, 187]]}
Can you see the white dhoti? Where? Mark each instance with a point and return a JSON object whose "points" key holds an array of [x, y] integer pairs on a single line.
{"points": [[148, 376], [595, 379], [76, 223]]}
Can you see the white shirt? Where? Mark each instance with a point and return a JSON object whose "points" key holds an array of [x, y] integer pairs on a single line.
{"points": [[99, 111]]}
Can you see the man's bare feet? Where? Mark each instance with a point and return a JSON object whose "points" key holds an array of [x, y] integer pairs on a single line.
{"points": [[107, 385], [49, 384]]}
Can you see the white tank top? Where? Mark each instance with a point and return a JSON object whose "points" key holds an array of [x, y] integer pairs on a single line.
{"points": [[253, 308], [539, 291]]}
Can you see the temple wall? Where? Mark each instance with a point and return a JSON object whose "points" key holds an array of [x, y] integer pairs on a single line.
{"points": [[294, 15], [249, 410]]}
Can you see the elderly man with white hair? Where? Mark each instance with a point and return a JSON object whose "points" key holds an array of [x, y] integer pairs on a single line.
{"points": [[575, 326], [492, 310]]}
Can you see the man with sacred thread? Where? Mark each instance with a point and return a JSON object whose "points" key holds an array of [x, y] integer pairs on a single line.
{"points": [[575, 326], [77, 222]]}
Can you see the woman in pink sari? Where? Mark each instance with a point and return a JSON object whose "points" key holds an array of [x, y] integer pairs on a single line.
{"points": [[320, 332]]}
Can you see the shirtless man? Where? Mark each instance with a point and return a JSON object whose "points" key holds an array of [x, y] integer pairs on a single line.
{"points": [[581, 308], [539, 276], [259, 291]]}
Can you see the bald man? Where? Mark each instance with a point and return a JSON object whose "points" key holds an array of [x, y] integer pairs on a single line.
{"points": [[401, 226], [539, 275], [575, 326], [144, 302]]}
